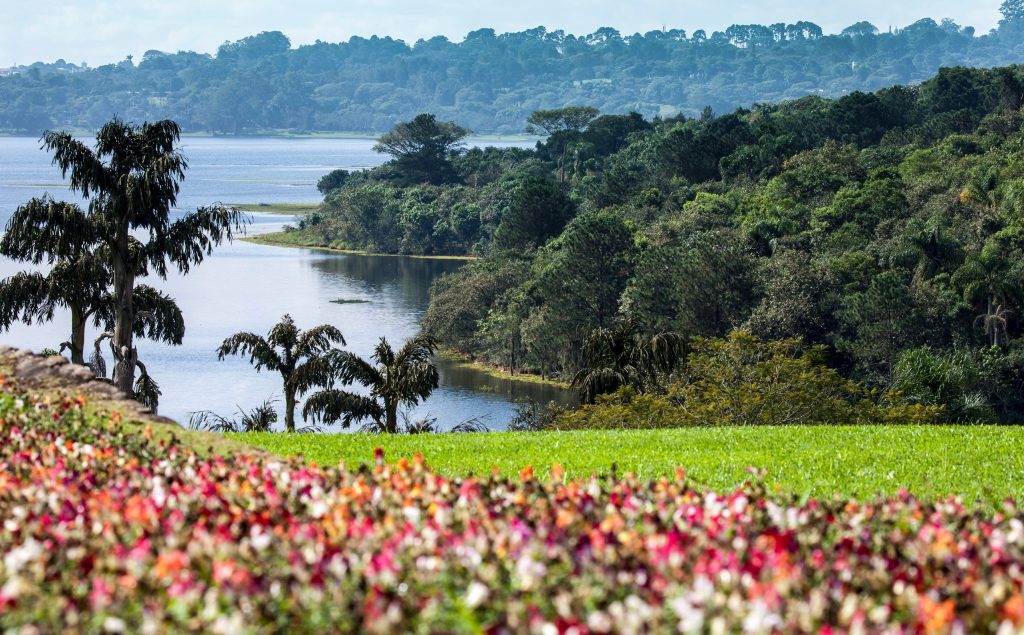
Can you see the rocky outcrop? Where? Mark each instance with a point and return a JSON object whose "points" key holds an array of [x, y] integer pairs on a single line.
{"points": [[44, 374]]}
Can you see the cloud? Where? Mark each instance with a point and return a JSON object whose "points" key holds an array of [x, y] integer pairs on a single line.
{"points": [[107, 30]]}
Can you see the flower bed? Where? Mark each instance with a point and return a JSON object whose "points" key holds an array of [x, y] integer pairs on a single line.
{"points": [[107, 530]]}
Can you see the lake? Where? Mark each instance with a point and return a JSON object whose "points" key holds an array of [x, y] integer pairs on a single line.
{"points": [[247, 287]]}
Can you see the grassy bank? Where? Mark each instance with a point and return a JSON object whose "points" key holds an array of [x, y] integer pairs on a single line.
{"points": [[494, 371], [299, 239], [978, 462], [277, 208]]}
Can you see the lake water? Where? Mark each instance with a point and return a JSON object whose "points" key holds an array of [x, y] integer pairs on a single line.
{"points": [[247, 287]]}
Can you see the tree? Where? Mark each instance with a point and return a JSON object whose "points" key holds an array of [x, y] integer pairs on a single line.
{"points": [[622, 356], [132, 180], [332, 181], [862, 29], [305, 359], [394, 378], [79, 279], [1013, 12], [421, 149], [538, 211], [991, 283], [571, 119], [578, 280]]}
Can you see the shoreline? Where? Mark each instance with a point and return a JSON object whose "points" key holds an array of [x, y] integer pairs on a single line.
{"points": [[271, 239], [492, 370], [285, 209], [449, 355], [280, 134]]}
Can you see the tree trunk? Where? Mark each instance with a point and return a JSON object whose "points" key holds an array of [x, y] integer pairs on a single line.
{"points": [[125, 355], [289, 409], [391, 424], [77, 336]]}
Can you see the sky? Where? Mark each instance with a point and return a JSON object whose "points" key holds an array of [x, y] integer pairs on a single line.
{"points": [[104, 31]]}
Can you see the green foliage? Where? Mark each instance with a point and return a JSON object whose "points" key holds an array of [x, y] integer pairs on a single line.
{"points": [[740, 380], [332, 181], [491, 84], [550, 122], [306, 359], [950, 380], [396, 378], [621, 356], [537, 212], [421, 149]]}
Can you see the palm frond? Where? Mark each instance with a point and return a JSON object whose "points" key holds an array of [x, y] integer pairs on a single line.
{"points": [[27, 297], [157, 316], [333, 406], [190, 239], [317, 340], [47, 230], [352, 368], [260, 353]]}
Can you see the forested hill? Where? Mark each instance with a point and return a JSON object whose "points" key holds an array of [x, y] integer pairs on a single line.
{"points": [[491, 82]]}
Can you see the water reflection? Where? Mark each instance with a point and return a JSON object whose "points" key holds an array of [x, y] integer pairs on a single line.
{"points": [[404, 279]]}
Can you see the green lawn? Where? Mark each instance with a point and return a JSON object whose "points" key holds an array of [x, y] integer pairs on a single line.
{"points": [[976, 462]]}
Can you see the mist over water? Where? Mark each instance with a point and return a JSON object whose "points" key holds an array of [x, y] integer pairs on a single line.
{"points": [[246, 287]]}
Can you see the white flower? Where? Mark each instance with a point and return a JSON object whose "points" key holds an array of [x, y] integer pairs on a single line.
{"points": [[18, 557], [114, 625], [260, 540], [476, 594], [319, 509]]}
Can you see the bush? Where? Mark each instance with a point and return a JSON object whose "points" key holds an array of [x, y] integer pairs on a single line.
{"points": [[741, 380]]}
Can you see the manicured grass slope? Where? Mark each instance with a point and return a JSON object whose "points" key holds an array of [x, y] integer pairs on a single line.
{"points": [[976, 462]]}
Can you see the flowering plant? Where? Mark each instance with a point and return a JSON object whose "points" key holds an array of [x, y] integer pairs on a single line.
{"points": [[104, 529]]}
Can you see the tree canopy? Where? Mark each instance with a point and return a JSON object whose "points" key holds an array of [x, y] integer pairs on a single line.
{"points": [[491, 82], [422, 149]]}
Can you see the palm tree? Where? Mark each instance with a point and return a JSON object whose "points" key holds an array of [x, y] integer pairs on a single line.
{"points": [[62, 235], [995, 322], [394, 379], [77, 280], [990, 281], [305, 359], [621, 356], [132, 179]]}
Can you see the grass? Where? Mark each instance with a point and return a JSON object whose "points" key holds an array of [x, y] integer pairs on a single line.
{"points": [[299, 239], [494, 371], [277, 208], [983, 463]]}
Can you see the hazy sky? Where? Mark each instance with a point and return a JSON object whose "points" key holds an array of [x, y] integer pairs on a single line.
{"points": [[102, 31]]}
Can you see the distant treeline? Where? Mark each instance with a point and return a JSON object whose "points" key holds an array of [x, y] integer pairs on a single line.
{"points": [[491, 82]]}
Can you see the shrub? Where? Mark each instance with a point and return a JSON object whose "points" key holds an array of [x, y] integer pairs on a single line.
{"points": [[741, 380]]}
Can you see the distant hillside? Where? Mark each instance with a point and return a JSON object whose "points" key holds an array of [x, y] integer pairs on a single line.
{"points": [[489, 82]]}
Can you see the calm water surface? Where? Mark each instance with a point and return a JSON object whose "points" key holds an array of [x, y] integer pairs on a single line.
{"points": [[246, 287]]}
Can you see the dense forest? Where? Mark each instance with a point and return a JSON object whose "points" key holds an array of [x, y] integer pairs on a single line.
{"points": [[491, 82], [883, 228]]}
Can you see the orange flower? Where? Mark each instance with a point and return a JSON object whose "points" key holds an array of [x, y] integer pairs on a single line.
{"points": [[170, 564], [526, 473], [1013, 610], [557, 472], [934, 616]]}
